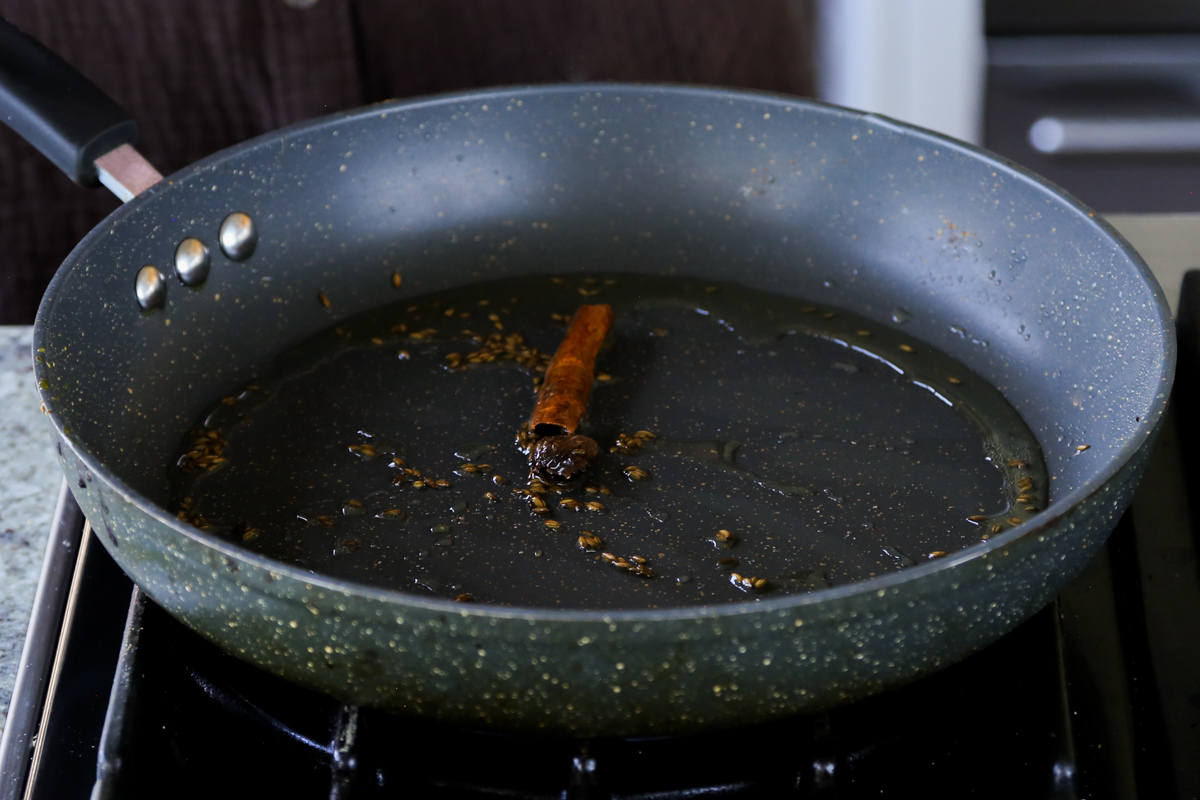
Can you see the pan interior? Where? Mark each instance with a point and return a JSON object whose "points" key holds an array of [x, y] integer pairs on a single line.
{"points": [[990, 265], [753, 446]]}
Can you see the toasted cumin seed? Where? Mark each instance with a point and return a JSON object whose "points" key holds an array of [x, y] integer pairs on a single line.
{"points": [[637, 473], [589, 541], [908, 348]]}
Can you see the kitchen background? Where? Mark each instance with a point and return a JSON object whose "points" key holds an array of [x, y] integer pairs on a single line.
{"points": [[1102, 97]]}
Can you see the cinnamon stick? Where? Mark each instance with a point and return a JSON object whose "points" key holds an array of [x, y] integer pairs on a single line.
{"points": [[562, 400], [563, 397]]}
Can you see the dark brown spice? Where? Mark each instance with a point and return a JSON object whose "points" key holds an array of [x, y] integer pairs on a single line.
{"points": [[562, 399]]}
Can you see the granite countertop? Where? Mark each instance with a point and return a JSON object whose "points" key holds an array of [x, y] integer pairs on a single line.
{"points": [[29, 482]]}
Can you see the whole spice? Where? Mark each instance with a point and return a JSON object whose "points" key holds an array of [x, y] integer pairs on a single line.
{"points": [[562, 400]]}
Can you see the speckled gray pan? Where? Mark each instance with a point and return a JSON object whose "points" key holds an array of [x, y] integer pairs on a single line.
{"points": [[998, 268]]}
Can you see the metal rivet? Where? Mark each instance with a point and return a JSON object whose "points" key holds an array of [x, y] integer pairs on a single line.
{"points": [[192, 262], [238, 236], [151, 288]]}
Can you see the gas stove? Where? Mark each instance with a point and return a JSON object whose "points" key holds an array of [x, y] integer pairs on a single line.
{"points": [[1097, 696]]}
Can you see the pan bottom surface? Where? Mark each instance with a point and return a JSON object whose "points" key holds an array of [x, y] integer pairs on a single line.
{"points": [[752, 444]]}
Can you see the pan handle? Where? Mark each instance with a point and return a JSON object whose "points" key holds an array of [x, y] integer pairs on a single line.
{"points": [[57, 110]]}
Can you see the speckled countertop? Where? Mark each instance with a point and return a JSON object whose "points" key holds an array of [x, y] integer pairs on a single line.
{"points": [[29, 484]]}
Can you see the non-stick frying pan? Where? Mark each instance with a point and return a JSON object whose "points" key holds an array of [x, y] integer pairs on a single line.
{"points": [[654, 179]]}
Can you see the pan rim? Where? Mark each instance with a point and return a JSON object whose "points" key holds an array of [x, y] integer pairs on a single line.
{"points": [[1059, 510]]}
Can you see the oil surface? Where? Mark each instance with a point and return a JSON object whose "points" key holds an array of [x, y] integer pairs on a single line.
{"points": [[784, 447]]}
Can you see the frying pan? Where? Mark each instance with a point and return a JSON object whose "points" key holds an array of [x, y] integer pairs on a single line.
{"points": [[1077, 336]]}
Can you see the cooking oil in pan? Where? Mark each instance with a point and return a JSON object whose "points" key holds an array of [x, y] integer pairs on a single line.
{"points": [[751, 445]]}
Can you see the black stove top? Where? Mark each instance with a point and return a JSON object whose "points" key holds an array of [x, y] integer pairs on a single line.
{"points": [[1097, 696]]}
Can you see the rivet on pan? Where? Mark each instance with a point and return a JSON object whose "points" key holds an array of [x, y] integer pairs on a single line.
{"points": [[151, 288], [192, 262], [238, 236]]}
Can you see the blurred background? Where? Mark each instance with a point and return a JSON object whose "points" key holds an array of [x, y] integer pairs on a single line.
{"points": [[1100, 96]]}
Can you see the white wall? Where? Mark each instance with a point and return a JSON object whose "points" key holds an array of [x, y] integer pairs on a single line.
{"points": [[920, 61]]}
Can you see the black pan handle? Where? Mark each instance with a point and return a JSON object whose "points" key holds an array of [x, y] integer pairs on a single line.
{"points": [[57, 110]]}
